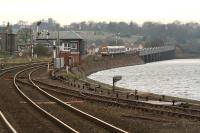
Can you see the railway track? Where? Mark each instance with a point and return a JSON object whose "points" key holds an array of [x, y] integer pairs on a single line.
{"points": [[6, 76], [7, 123], [93, 123], [35, 105], [174, 111], [9, 69]]}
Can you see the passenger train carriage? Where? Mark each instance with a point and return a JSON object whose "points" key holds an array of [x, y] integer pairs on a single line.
{"points": [[110, 50]]}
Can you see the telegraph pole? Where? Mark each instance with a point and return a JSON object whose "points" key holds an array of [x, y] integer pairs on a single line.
{"points": [[7, 31], [37, 34], [58, 43], [31, 37]]}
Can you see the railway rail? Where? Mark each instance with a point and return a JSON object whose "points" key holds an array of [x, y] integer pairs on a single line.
{"points": [[80, 91], [86, 116], [59, 122], [6, 70], [4, 119], [134, 104], [3, 73]]}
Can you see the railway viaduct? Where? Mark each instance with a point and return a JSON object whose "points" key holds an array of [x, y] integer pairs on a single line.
{"points": [[157, 53]]}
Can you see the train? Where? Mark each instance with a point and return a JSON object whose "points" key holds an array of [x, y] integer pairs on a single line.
{"points": [[111, 50]]}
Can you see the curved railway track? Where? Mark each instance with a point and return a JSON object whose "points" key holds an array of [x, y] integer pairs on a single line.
{"points": [[174, 111], [9, 69], [92, 120], [68, 128], [3, 73]]}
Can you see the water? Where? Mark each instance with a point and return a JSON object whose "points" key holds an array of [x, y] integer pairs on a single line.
{"points": [[179, 78]]}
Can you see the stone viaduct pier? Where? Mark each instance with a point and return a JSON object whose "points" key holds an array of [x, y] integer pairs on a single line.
{"points": [[157, 53]]}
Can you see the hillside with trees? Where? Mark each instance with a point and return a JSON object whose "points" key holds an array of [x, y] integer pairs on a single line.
{"points": [[184, 35]]}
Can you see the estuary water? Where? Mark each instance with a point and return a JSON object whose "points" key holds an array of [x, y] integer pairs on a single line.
{"points": [[179, 77]]}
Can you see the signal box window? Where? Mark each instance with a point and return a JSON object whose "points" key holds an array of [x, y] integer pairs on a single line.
{"points": [[67, 46], [73, 45]]}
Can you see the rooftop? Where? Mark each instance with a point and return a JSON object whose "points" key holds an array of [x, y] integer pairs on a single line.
{"points": [[62, 35]]}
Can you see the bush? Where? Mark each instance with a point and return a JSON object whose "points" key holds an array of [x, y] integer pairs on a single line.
{"points": [[40, 50], [72, 76]]}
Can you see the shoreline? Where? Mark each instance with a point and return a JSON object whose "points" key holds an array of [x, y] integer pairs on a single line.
{"points": [[142, 93]]}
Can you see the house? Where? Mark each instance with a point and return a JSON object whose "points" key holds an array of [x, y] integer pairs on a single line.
{"points": [[92, 49], [71, 45]]}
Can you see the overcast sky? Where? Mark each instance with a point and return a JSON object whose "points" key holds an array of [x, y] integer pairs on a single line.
{"points": [[67, 11]]}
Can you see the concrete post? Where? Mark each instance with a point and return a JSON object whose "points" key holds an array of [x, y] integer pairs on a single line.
{"points": [[54, 49]]}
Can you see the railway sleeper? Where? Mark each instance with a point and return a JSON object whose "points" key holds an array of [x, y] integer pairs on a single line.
{"points": [[176, 108], [150, 110], [158, 111]]}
